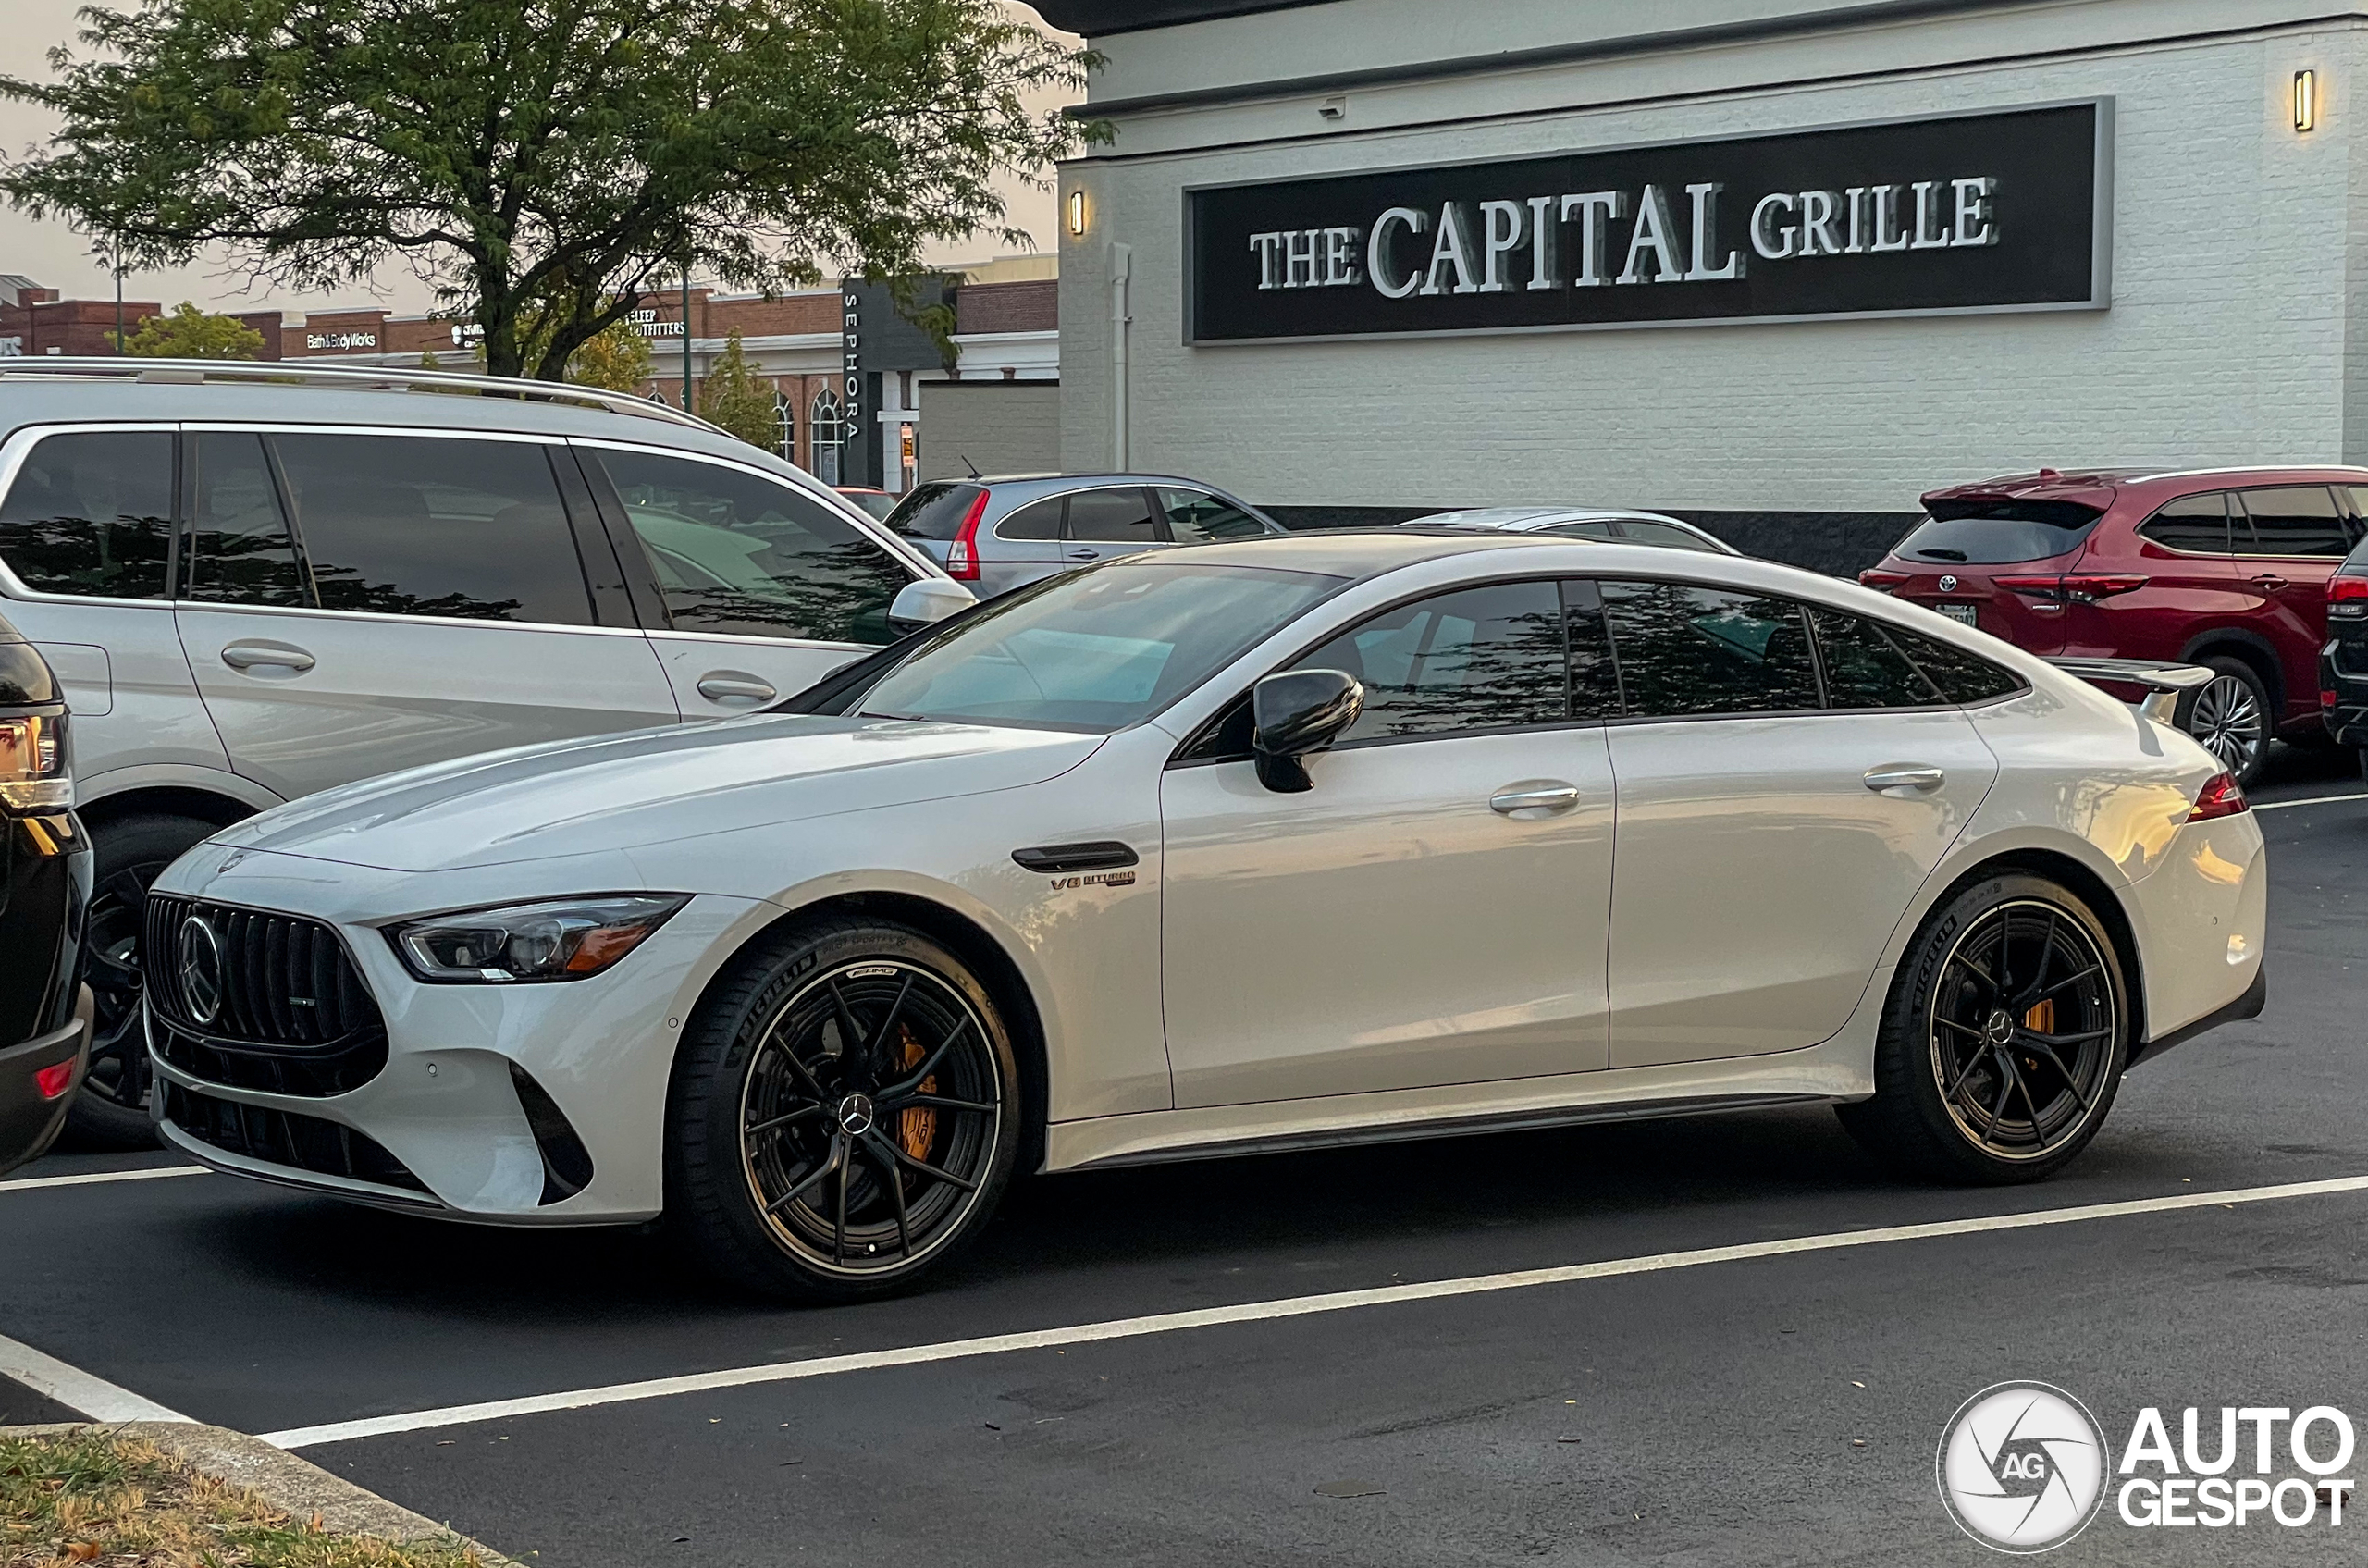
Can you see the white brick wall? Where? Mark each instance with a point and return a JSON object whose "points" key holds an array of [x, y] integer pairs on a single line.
{"points": [[2240, 257]]}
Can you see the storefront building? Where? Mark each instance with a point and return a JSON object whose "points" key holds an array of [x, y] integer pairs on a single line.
{"points": [[1776, 266]]}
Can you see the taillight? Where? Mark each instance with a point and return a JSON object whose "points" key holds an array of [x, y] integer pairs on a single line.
{"points": [[52, 1081], [962, 555], [1882, 581], [2075, 588], [33, 772], [2221, 797], [2347, 597]]}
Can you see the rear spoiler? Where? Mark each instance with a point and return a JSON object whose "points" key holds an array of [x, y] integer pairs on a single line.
{"points": [[2165, 683]]}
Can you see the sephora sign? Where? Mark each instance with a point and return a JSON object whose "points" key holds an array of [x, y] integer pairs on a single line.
{"points": [[1975, 212]]}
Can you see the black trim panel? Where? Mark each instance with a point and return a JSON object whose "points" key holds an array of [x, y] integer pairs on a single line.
{"points": [[1102, 855], [1458, 1127], [2249, 1006]]}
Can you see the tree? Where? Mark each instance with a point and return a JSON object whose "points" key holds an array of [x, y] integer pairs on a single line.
{"points": [[733, 397], [617, 358], [190, 333], [544, 163]]}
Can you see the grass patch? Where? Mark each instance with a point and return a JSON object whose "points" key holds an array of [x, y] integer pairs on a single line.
{"points": [[91, 1497]]}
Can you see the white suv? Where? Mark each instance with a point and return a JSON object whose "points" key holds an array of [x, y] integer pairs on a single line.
{"points": [[253, 587]]}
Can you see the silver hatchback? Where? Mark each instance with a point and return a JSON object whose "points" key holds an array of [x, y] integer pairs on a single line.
{"points": [[998, 534]]}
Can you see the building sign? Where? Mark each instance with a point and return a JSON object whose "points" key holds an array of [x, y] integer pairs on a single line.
{"points": [[341, 340], [646, 322], [1976, 211]]}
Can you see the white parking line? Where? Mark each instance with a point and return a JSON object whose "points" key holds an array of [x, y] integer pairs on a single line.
{"points": [[151, 1173], [1254, 1312], [72, 1387], [2314, 800]]}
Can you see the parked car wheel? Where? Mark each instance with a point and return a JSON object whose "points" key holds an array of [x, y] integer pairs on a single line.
{"points": [[127, 855], [2002, 1040], [845, 1114], [2231, 716]]}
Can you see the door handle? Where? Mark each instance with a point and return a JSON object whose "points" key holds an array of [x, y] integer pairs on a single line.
{"points": [[1537, 794], [1085, 555], [2269, 580], [728, 688], [248, 655], [1905, 775]]}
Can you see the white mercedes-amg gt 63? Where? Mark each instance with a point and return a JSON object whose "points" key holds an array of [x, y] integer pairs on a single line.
{"points": [[1220, 850]]}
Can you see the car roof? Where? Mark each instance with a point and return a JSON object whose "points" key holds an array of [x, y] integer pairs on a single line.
{"points": [[28, 400], [2097, 484], [1358, 553], [1518, 517]]}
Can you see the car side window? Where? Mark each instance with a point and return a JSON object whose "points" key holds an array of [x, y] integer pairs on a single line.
{"points": [[422, 526], [1661, 534], [735, 552], [1963, 677], [92, 514], [1603, 529], [1196, 517], [1037, 520], [1118, 516], [1864, 668], [2293, 520], [1686, 649], [1488, 658], [2198, 525], [239, 548]]}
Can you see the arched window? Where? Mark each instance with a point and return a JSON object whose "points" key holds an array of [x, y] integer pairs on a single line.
{"points": [[786, 425], [827, 430]]}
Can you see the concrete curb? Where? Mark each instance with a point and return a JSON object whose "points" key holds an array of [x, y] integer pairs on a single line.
{"points": [[295, 1486]]}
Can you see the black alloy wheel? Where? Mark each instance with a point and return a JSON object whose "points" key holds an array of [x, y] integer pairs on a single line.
{"points": [[2229, 716], [844, 1115], [2004, 1040], [112, 1108]]}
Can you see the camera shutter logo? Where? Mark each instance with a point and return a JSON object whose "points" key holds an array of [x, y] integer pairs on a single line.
{"points": [[2022, 1467], [201, 969]]}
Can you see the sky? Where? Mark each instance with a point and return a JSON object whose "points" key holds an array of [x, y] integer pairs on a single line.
{"points": [[53, 254]]}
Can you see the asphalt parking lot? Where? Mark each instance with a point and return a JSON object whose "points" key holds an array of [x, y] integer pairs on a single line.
{"points": [[1780, 1406]]}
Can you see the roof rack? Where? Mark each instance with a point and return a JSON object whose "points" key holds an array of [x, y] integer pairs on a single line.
{"points": [[345, 378]]}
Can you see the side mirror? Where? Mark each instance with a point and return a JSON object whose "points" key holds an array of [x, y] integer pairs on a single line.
{"points": [[1297, 713], [925, 602]]}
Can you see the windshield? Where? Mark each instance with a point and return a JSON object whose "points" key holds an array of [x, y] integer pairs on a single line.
{"points": [[1988, 532], [1095, 650]]}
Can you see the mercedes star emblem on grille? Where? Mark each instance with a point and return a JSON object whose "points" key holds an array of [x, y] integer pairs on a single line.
{"points": [[201, 967]]}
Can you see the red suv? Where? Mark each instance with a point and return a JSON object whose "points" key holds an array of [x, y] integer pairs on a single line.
{"points": [[2225, 567]]}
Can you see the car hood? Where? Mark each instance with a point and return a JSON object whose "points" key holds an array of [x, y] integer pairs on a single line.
{"points": [[652, 786]]}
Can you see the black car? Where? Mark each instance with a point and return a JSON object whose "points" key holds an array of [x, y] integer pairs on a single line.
{"points": [[44, 888], [2343, 661]]}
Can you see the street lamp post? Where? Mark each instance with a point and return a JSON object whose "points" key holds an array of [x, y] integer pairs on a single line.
{"points": [[686, 337]]}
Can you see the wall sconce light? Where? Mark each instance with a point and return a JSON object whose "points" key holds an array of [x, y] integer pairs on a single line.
{"points": [[2306, 100], [1077, 214]]}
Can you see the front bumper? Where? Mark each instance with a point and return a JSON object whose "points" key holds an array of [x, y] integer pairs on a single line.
{"points": [[447, 1126], [29, 1119]]}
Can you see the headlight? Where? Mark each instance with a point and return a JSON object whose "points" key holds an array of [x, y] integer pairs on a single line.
{"points": [[563, 939], [34, 760]]}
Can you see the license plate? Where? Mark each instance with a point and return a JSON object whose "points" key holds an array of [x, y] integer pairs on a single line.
{"points": [[1965, 612]]}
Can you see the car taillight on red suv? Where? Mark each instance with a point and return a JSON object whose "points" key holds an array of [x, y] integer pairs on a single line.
{"points": [[2074, 587]]}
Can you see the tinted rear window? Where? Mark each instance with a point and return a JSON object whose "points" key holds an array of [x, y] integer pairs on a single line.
{"points": [[934, 511], [1991, 532]]}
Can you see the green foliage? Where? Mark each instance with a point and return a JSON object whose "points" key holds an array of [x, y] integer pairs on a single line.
{"points": [[90, 1495], [733, 397], [186, 332], [617, 357], [546, 163]]}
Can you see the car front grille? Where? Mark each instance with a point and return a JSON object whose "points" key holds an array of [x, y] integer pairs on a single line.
{"points": [[284, 1138], [257, 1001]]}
